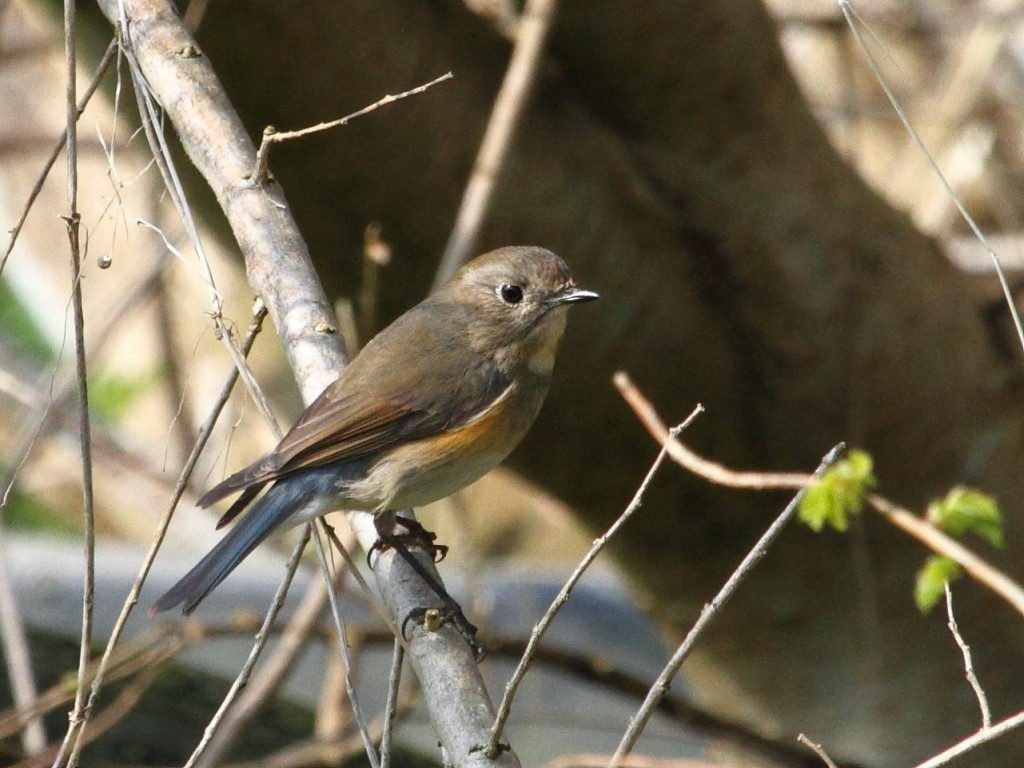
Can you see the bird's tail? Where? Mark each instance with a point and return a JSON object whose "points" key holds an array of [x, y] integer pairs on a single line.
{"points": [[287, 497]]}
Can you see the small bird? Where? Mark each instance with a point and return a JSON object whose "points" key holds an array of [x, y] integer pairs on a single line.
{"points": [[433, 402]]}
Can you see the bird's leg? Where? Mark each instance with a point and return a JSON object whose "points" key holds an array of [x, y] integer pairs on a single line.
{"points": [[417, 534]]}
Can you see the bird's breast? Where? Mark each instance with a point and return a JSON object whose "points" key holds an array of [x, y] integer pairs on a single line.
{"points": [[426, 470]]}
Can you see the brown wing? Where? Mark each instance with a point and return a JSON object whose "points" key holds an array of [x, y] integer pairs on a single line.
{"points": [[384, 398]]}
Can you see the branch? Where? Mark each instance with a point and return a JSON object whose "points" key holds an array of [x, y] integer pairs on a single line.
{"points": [[638, 722], [279, 270], [531, 32], [925, 533], [272, 136]]}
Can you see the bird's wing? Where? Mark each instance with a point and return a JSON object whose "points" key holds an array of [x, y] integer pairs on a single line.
{"points": [[382, 399]]}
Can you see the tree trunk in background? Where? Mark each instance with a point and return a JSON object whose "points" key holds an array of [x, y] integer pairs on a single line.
{"points": [[670, 158]]}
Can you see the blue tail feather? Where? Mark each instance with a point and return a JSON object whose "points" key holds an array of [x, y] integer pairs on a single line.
{"points": [[279, 503]]}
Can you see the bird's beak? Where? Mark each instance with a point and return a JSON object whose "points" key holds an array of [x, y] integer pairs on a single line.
{"points": [[573, 295]]}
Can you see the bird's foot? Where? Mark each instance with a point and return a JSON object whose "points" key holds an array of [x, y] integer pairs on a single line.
{"points": [[413, 535], [432, 619]]}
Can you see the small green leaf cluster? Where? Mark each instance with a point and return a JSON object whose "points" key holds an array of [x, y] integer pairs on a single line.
{"points": [[961, 511], [840, 492]]}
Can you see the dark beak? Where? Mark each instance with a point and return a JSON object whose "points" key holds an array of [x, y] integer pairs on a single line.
{"points": [[573, 295]]}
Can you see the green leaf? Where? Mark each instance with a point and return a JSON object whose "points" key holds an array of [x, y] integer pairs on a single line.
{"points": [[18, 327], [110, 394], [840, 492], [966, 510], [931, 581]]}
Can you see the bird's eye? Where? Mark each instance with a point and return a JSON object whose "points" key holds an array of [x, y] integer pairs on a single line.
{"points": [[510, 294]]}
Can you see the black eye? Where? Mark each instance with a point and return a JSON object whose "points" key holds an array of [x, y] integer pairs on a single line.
{"points": [[510, 294]]}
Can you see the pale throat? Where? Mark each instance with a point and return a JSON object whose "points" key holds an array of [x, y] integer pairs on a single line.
{"points": [[543, 341]]}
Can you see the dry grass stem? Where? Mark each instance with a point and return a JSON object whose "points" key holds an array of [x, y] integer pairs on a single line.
{"points": [[259, 313], [18, 659], [339, 622], [254, 653], [391, 703], [58, 147]]}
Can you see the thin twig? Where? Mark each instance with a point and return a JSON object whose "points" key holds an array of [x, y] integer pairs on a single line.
{"points": [[852, 19], [818, 750], [563, 594], [272, 136], [73, 220], [937, 541], [271, 674], [339, 622], [927, 534], [124, 703], [132, 599], [965, 649], [971, 742], [506, 114], [391, 702], [58, 147], [257, 648], [638, 721]]}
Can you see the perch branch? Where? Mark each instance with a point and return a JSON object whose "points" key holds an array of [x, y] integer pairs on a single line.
{"points": [[278, 266]]}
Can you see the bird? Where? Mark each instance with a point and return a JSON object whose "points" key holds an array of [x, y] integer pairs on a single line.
{"points": [[432, 403]]}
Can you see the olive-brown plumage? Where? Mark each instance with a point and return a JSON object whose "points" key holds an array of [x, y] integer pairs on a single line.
{"points": [[433, 402]]}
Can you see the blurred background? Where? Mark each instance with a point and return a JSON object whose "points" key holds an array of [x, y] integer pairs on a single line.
{"points": [[767, 240]]}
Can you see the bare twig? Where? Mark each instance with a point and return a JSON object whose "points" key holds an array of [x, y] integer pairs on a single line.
{"points": [[259, 313], [391, 703], [638, 721], [965, 649], [532, 31], [852, 20], [817, 749], [925, 533], [124, 703], [58, 147], [563, 594], [981, 737], [257, 648], [270, 675], [272, 136], [19, 661], [72, 220], [339, 622]]}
